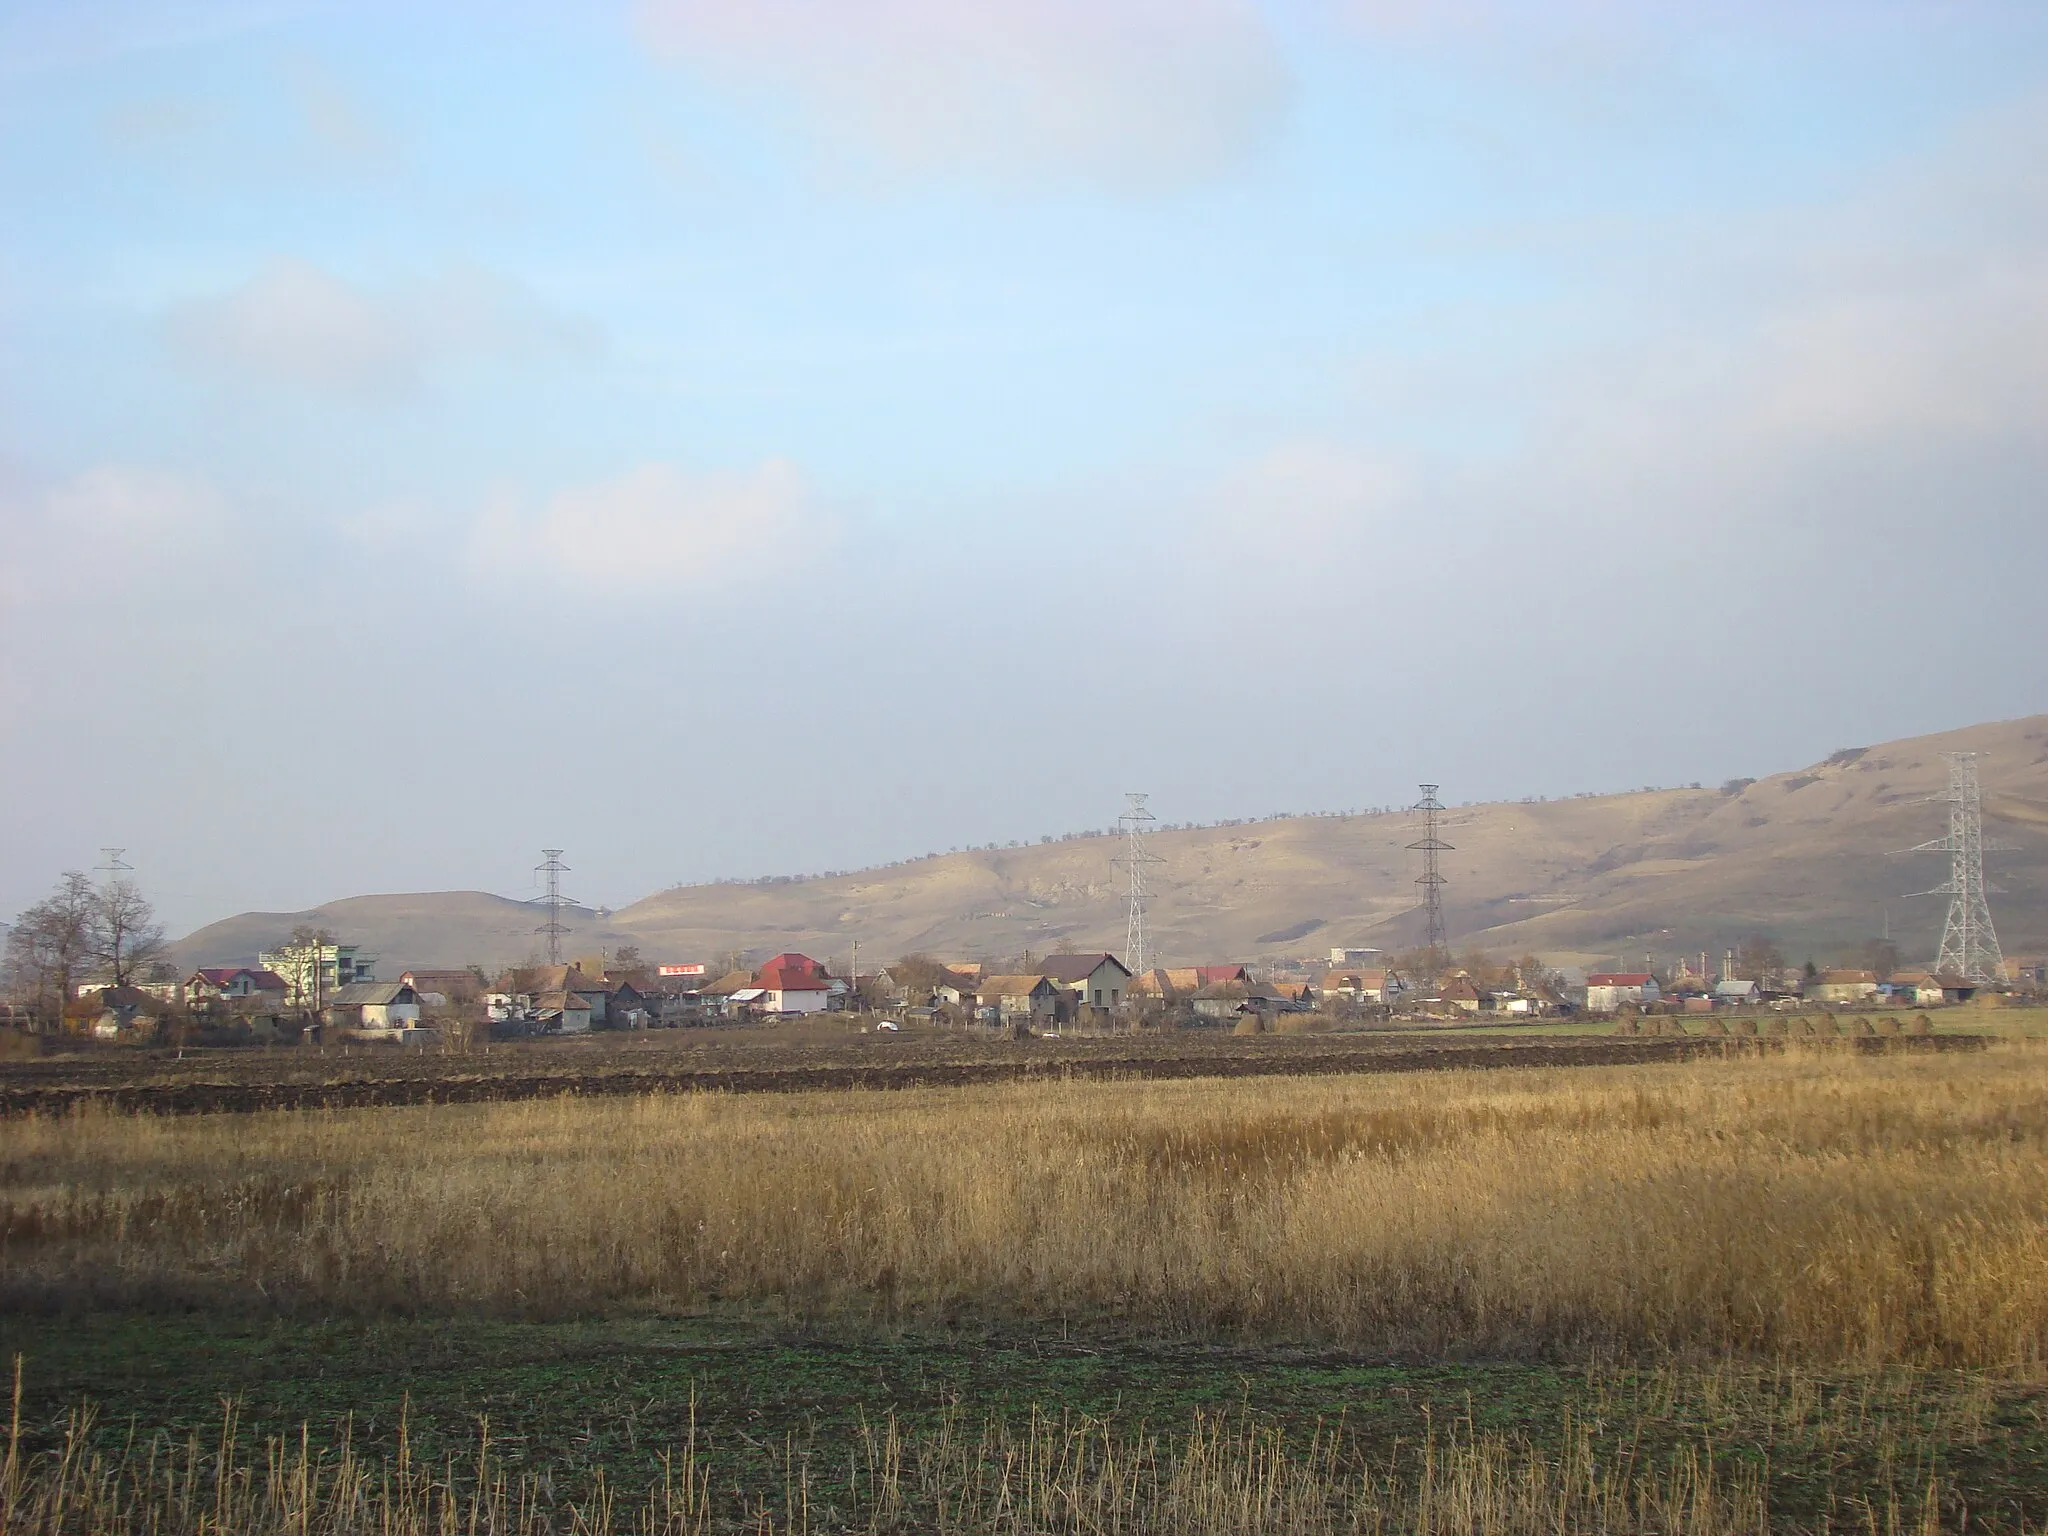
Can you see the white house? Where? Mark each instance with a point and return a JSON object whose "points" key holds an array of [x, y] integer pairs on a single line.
{"points": [[375, 1005], [1608, 990]]}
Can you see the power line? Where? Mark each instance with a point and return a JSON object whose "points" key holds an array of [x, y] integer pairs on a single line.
{"points": [[1431, 879], [1137, 860], [1969, 944], [554, 928]]}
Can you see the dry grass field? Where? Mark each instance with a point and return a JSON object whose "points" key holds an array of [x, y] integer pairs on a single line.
{"points": [[1811, 1206]]}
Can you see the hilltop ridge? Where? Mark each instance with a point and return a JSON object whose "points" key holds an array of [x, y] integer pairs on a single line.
{"points": [[1806, 856]]}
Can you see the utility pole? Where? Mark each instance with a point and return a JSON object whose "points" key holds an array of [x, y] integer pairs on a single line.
{"points": [[1137, 861], [1431, 879], [1969, 944], [553, 868]]}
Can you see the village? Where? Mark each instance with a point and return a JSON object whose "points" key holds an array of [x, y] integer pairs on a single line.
{"points": [[315, 989]]}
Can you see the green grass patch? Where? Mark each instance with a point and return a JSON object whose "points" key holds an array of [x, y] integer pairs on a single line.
{"points": [[569, 1398]]}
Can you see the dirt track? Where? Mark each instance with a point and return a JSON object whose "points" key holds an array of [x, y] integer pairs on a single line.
{"points": [[221, 1085]]}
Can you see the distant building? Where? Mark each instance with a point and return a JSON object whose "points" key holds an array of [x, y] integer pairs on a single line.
{"points": [[313, 973], [377, 1005], [1342, 959], [437, 989], [1841, 987], [1735, 993], [1365, 985], [1917, 987], [213, 986], [792, 983], [1608, 990], [1029, 999], [1095, 981], [1461, 993]]}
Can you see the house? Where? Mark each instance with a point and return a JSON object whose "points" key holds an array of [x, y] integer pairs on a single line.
{"points": [[314, 972], [561, 1012], [1461, 993], [792, 983], [1608, 990], [593, 989], [213, 986], [1915, 987], [437, 989], [627, 1007], [1030, 999], [1842, 987], [377, 1005], [1735, 993], [1349, 959], [1367, 985], [1220, 1000], [123, 1010], [1095, 981]]}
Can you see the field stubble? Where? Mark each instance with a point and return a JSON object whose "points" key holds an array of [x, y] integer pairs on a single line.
{"points": [[1824, 1207]]}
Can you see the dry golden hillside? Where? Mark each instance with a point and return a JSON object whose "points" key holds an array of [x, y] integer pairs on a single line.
{"points": [[1805, 857]]}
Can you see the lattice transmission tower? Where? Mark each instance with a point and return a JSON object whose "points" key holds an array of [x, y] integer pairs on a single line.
{"points": [[554, 901], [1969, 944], [1137, 861], [1431, 879]]}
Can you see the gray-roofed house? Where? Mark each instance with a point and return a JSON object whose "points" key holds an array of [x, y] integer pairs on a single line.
{"points": [[374, 1005], [1095, 981]]}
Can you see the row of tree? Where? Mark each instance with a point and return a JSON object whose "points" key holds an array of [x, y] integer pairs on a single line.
{"points": [[81, 931]]}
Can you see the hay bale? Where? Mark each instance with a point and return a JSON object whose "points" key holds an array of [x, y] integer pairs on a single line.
{"points": [[1746, 1028], [1864, 1029], [1249, 1024], [1627, 1027], [1299, 1024], [1777, 1029], [1826, 1027], [1887, 1026], [1922, 1025], [1717, 1027], [1804, 1028]]}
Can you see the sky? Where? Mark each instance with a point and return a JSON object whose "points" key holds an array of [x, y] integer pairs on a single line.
{"points": [[721, 439]]}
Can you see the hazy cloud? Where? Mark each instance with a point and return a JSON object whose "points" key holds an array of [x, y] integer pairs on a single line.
{"points": [[656, 527], [341, 130], [294, 323], [99, 530], [1115, 90]]}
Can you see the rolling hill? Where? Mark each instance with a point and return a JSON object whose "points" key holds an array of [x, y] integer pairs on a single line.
{"points": [[1807, 857]]}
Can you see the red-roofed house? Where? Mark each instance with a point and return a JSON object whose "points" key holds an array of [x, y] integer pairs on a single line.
{"points": [[1608, 990], [793, 983]]}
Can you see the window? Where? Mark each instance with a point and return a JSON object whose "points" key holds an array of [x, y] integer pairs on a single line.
{"points": [[1098, 997]]}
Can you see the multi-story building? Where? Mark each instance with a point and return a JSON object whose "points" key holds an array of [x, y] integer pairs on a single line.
{"points": [[314, 973]]}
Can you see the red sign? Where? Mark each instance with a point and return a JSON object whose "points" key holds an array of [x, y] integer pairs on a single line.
{"points": [[681, 970]]}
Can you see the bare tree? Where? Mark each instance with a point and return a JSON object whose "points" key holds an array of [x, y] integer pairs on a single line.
{"points": [[49, 944], [126, 937]]}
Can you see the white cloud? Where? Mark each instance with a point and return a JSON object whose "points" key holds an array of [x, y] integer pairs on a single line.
{"points": [[295, 324], [655, 527], [1112, 90]]}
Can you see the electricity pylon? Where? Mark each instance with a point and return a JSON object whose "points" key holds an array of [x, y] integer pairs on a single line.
{"points": [[1969, 944]]}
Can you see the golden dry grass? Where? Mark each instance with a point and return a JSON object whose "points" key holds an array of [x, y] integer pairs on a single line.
{"points": [[1815, 1206]]}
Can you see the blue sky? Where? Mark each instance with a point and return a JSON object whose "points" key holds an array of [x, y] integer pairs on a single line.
{"points": [[726, 439]]}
